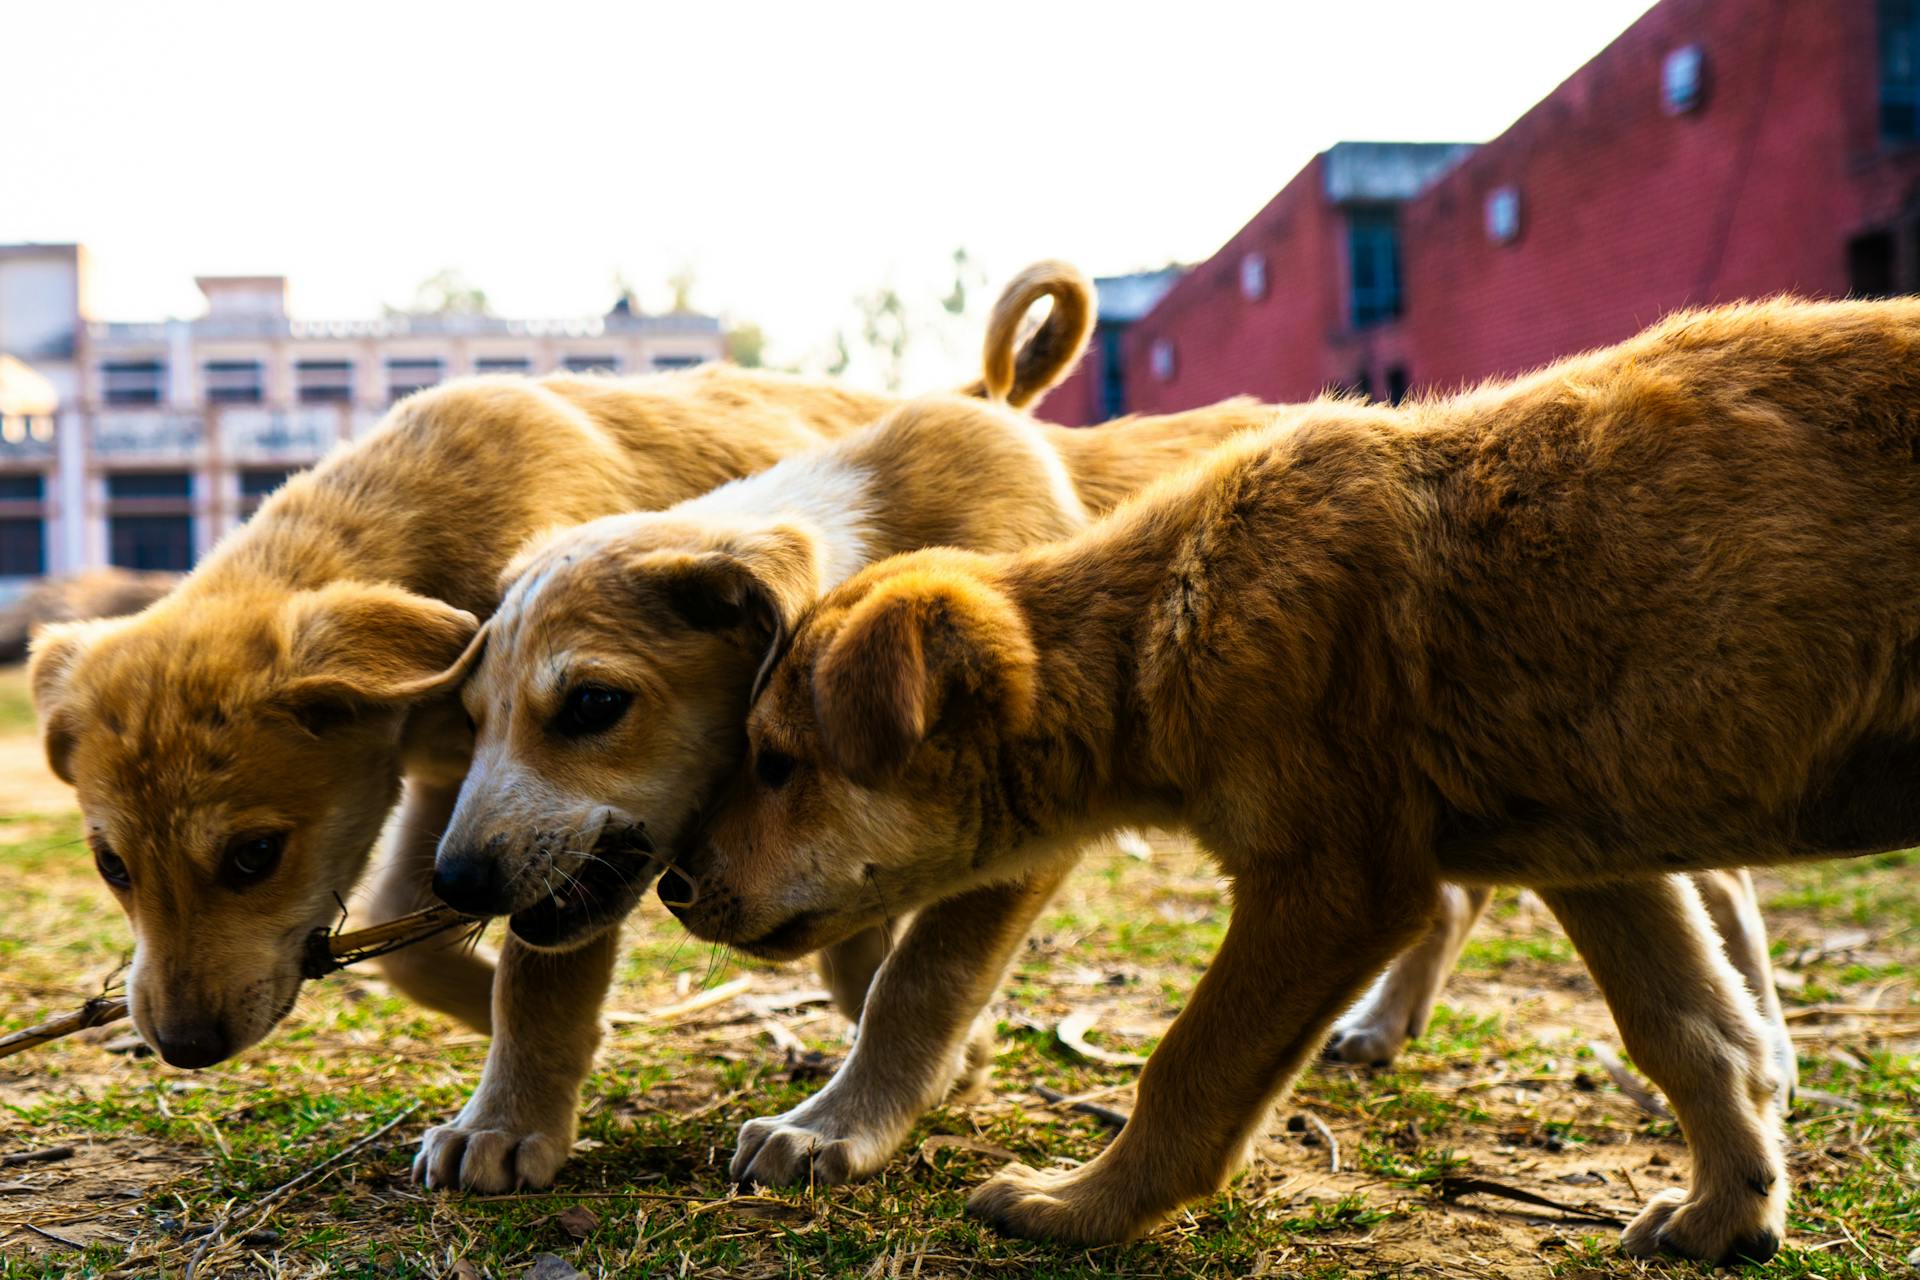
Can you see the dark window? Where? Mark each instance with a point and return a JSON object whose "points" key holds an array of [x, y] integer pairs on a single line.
{"points": [[1870, 265], [150, 484], [503, 364], [257, 482], [1900, 69], [677, 362], [1397, 384], [406, 376], [132, 381], [23, 547], [1373, 253], [324, 381], [591, 364], [1113, 374], [235, 382], [31, 487], [151, 542]]}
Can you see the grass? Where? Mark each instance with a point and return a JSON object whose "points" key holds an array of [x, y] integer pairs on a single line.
{"points": [[1501, 1088]]}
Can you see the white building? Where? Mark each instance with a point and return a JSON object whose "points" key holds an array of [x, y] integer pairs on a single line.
{"points": [[140, 444]]}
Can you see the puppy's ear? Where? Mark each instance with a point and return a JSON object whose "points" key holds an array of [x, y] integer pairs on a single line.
{"points": [[919, 648], [55, 651], [1019, 377], [757, 583], [354, 645]]}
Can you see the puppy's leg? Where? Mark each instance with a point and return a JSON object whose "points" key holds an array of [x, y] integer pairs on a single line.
{"points": [[440, 975], [847, 967], [518, 1128], [1398, 1006], [914, 1041], [1294, 955], [1735, 907], [1692, 1028]]}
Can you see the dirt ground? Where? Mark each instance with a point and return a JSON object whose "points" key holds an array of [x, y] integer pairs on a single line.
{"points": [[1411, 1169]]}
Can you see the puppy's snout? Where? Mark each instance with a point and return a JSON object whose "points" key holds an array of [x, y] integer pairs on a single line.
{"points": [[470, 880], [677, 890], [191, 1044]]}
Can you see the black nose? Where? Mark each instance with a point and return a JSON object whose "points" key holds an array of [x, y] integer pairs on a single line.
{"points": [[676, 891], [469, 882], [193, 1044]]}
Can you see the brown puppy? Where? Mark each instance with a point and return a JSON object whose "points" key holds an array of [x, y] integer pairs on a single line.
{"points": [[237, 746], [610, 689], [1652, 609]]}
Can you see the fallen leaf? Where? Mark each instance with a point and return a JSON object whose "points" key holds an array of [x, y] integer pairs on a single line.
{"points": [[547, 1266], [950, 1142], [464, 1270], [578, 1222]]}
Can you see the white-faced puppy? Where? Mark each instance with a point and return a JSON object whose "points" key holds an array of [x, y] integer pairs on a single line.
{"points": [[610, 691], [1653, 609]]}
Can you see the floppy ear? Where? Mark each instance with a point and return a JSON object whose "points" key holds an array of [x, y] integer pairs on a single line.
{"points": [[352, 645], [758, 584], [55, 650], [1019, 377], [914, 650]]}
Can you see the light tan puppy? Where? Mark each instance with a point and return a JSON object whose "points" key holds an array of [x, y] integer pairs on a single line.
{"points": [[1652, 609], [237, 746], [610, 690]]}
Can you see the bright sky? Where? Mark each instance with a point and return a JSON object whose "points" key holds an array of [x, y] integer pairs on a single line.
{"points": [[791, 154]]}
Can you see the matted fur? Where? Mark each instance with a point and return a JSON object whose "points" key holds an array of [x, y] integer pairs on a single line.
{"points": [[1652, 609]]}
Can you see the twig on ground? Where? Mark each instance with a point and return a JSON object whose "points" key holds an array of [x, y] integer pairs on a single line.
{"points": [[1072, 1032], [326, 953], [1105, 1115], [1333, 1143], [1628, 1083], [46, 1156], [693, 1004], [1453, 1186], [273, 1198], [56, 1237]]}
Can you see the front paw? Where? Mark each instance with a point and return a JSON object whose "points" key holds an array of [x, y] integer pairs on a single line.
{"points": [[795, 1150], [1068, 1206], [1725, 1234], [484, 1152]]}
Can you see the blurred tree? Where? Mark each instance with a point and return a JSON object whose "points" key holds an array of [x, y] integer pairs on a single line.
{"points": [[887, 332], [681, 282], [746, 345], [446, 293]]}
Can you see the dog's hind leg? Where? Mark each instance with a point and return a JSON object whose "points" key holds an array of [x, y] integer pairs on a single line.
{"points": [[1735, 907], [1398, 1006], [447, 976], [914, 1041], [1691, 1027]]}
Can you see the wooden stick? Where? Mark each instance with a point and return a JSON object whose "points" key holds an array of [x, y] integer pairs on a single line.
{"points": [[327, 952]]}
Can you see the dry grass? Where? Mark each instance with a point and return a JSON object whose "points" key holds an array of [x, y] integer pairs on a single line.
{"points": [[1502, 1089]]}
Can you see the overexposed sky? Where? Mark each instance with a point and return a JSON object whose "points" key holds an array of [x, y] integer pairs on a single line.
{"points": [[790, 154]]}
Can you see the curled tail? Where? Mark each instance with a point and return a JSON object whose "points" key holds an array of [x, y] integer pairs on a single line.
{"points": [[1111, 463], [1018, 376]]}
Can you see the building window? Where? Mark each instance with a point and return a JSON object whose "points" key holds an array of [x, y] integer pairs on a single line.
{"points": [[150, 520], [1870, 265], [1900, 69], [662, 364], [132, 381], [1683, 79], [1253, 277], [235, 382], [1373, 254], [1160, 359], [591, 364], [503, 364], [256, 483], [1113, 373], [1503, 214], [23, 526], [406, 376], [324, 381]]}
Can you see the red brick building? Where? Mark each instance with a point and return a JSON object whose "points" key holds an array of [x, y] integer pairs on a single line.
{"points": [[1718, 149]]}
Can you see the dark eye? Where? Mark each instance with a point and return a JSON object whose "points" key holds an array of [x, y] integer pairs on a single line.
{"points": [[251, 859], [591, 708], [112, 870], [773, 767]]}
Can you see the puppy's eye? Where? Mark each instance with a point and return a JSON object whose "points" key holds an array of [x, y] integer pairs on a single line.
{"points": [[252, 858], [112, 870], [773, 767], [591, 708]]}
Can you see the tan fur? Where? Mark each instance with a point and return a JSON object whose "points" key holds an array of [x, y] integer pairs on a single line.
{"points": [[1649, 610], [676, 611]]}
